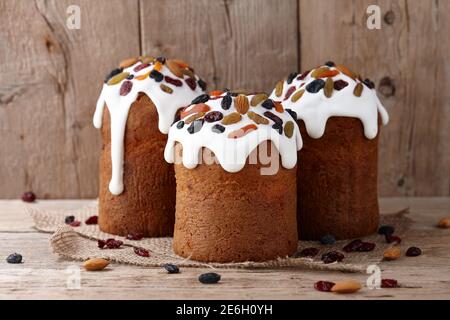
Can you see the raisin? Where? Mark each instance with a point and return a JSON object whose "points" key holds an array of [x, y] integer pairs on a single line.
{"points": [[195, 126], [231, 93], [386, 230], [213, 116], [14, 258], [391, 238], [201, 99], [332, 256], [366, 247], [69, 219], [180, 124], [278, 127], [274, 118], [75, 223], [142, 252], [328, 239], [291, 77], [28, 197], [135, 236], [113, 73], [315, 86], [389, 283], [209, 278], [268, 104], [307, 252], [292, 113], [353, 246], [324, 286], [101, 243], [130, 77], [413, 252], [125, 88], [175, 82], [330, 64], [161, 59], [92, 220], [217, 128], [156, 75], [369, 84], [202, 84], [303, 75], [171, 268], [226, 102], [289, 92], [340, 84], [191, 83]]}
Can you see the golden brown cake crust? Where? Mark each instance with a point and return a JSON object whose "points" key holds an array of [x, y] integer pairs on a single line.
{"points": [[337, 182], [224, 217], [147, 204]]}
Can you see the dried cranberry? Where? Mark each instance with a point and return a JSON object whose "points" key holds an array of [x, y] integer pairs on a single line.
{"points": [[332, 256], [202, 84], [273, 117], [307, 252], [125, 88], [292, 113], [389, 283], [392, 239], [28, 197], [340, 84], [208, 278], [191, 83], [113, 73], [75, 223], [109, 243], [101, 243], [135, 236], [217, 128], [315, 86], [366, 247], [289, 92], [175, 82], [213, 116], [226, 102], [268, 104], [171, 268], [291, 77], [324, 286], [303, 75], [413, 252], [92, 220], [141, 66], [69, 219], [353, 246], [386, 230], [142, 252], [328, 239], [201, 99], [14, 258], [156, 75]]}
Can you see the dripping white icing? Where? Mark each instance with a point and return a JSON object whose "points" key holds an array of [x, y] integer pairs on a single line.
{"points": [[315, 108], [233, 153], [119, 106]]}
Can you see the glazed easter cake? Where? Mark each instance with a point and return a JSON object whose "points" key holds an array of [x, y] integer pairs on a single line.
{"points": [[232, 204], [137, 105], [339, 116]]}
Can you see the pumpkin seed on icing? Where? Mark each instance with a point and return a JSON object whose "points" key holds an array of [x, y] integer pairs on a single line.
{"points": [[118, 78]]}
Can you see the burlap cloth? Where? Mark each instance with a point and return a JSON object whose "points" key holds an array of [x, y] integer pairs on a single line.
{"points": [[80, 243]]}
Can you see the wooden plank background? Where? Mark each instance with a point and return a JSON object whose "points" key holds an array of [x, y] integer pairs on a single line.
{"points": [[51, 76]]}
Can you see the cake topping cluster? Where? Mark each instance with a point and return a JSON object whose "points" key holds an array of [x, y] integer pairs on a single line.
{"points": [[327, 91], [226, 115]]}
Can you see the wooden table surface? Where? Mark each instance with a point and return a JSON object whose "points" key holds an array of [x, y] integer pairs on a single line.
{"points": [[45, 276]]}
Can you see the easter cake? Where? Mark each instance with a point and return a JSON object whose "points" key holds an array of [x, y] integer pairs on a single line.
{"points": [[137, 105], [235, 163], [339, 116]]}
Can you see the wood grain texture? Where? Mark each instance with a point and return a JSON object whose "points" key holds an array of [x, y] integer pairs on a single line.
{"points": [[44, 276], [51, 78], [240, 44], [412, 51]]}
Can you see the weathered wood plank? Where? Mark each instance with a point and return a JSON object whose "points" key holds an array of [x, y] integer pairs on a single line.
{"points": [[50, 80], [43, 275], [412, 52], [241, 44]]}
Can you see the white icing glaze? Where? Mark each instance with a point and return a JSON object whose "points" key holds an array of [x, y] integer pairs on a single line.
{"points": [[119, 106], [233, 153], [315, 108]]}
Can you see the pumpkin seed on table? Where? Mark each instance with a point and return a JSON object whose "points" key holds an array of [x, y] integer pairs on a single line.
{"points": [[118, 78], [358, 89], [279, 88], [296, 96], [328, 88], [165, 88], [95, 264], [289, 129], [241, 103], [231, 118], [258, 119], [258, 98], [174, 68]]}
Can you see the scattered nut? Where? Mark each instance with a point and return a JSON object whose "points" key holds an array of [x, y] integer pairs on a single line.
{"points": [[95, 264], [348, 286], [392, 253]]}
